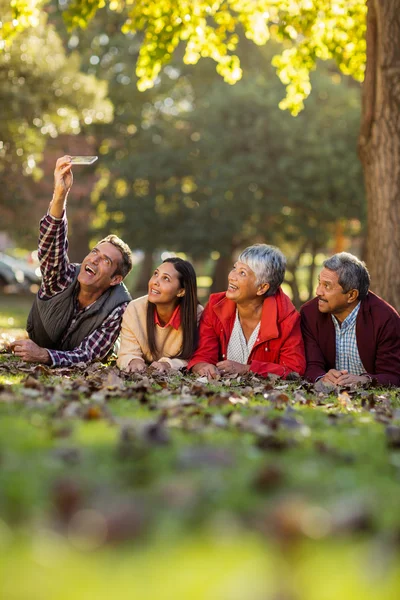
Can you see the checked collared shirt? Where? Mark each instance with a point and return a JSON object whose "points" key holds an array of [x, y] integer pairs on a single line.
{"points": [[57, 275], [347, 355]]}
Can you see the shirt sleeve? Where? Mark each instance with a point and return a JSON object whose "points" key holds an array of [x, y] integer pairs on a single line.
{"points": [[95, 346], [209, 345], [130, 347], [57, 271], [175, 363]]}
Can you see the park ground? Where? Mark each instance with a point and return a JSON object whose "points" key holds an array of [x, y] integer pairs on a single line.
{"points": [[152, 487]]}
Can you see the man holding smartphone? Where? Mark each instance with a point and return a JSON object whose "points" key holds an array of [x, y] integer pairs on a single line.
{"points": [[77, 313]]}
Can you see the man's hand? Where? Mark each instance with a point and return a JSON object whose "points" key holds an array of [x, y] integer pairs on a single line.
{"points": [[231, 367], [135, 366], [161, 367], [349, 379], [63, 177], [206, 369], [62, 184], [30, 352], [333, 376]]}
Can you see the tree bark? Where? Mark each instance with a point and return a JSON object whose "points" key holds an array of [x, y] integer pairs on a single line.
{"points": [[379, 147], [146, 269], [294, 286], [311, 271], [220, 276]]}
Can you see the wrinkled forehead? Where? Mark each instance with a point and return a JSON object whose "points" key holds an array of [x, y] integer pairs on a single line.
{"points": [[110, 250], [243, 264], [328, 276]]}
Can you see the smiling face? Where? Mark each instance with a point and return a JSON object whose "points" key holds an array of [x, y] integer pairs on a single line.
{"points": [[242, 286], [331, 296], [98, 268], [164, 286]]}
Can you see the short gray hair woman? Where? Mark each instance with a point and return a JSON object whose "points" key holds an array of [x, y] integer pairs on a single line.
{"points": [[253, 326], [268, 263]]}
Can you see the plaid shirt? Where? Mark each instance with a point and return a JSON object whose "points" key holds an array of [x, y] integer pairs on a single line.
{"points": [[58, 273], [347, 355]]}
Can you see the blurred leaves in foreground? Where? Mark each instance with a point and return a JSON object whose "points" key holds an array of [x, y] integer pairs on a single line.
{"points": [[244, 488]]}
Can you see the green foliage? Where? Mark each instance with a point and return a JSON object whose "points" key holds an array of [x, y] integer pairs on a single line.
{"points": [[311, 30], [203, 167], [43, 95], [16, 16]]}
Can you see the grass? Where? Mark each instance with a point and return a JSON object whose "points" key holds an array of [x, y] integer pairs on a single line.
{"points": [[127, 492], [14, 311]]}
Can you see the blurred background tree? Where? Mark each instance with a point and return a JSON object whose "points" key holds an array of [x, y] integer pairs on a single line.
{"points": [[192, 165], [43, 94]]}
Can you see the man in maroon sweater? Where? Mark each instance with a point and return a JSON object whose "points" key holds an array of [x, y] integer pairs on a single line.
{"points": [[350, 334]]}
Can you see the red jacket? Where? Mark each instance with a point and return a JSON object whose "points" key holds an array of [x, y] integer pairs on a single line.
{"points": [[279, 347], [377, 333]]}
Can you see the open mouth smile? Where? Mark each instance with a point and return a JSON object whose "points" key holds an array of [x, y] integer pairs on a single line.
{"points": [[90, 270]]}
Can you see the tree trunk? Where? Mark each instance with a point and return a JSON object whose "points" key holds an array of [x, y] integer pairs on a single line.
{"points": [[379, 147], [220, 276], [294, 287], [146, 269], [311, 271]]}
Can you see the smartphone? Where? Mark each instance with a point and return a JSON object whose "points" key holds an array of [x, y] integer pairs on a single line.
{"points": [[83, 160]]}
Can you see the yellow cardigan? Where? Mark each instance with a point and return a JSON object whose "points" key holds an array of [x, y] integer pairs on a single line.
{"points": [[134, 343]]}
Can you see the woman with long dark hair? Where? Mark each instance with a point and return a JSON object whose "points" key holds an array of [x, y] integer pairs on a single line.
{"points": [[160, 329]]}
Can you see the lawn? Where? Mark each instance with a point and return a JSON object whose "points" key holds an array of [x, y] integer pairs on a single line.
{"points": [[148, 487]]}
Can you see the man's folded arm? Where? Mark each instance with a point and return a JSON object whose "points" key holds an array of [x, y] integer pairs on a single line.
{"points": [[95, 346], [315, 361], [387, 360]]}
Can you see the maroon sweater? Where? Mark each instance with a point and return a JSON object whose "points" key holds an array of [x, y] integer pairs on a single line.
{"points": [[378, 340]]}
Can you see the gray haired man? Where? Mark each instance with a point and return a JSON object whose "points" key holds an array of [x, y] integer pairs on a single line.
{"points": [[350, 334]]}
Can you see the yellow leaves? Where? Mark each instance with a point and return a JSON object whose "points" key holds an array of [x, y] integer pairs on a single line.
{"points": [[121, 188], [310, 30], [188, 185], [255, 27], [101, 218], [229, 68], [322, 29], [141, 187], [15, 16]]}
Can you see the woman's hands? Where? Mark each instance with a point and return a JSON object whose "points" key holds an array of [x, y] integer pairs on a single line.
{"points": [[135, 366], [231, 367], [160, 366], [224, 367], [138, 365], [206, 369]]}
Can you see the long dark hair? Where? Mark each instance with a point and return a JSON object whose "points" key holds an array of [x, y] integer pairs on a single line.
{"points": [[188, 303]]}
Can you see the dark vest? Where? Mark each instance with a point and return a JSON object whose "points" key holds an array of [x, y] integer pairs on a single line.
{"points": [[49, 319]]}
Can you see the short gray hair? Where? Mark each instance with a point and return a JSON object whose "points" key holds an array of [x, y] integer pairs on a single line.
{"points": [[352, 272], [268, 264]]}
